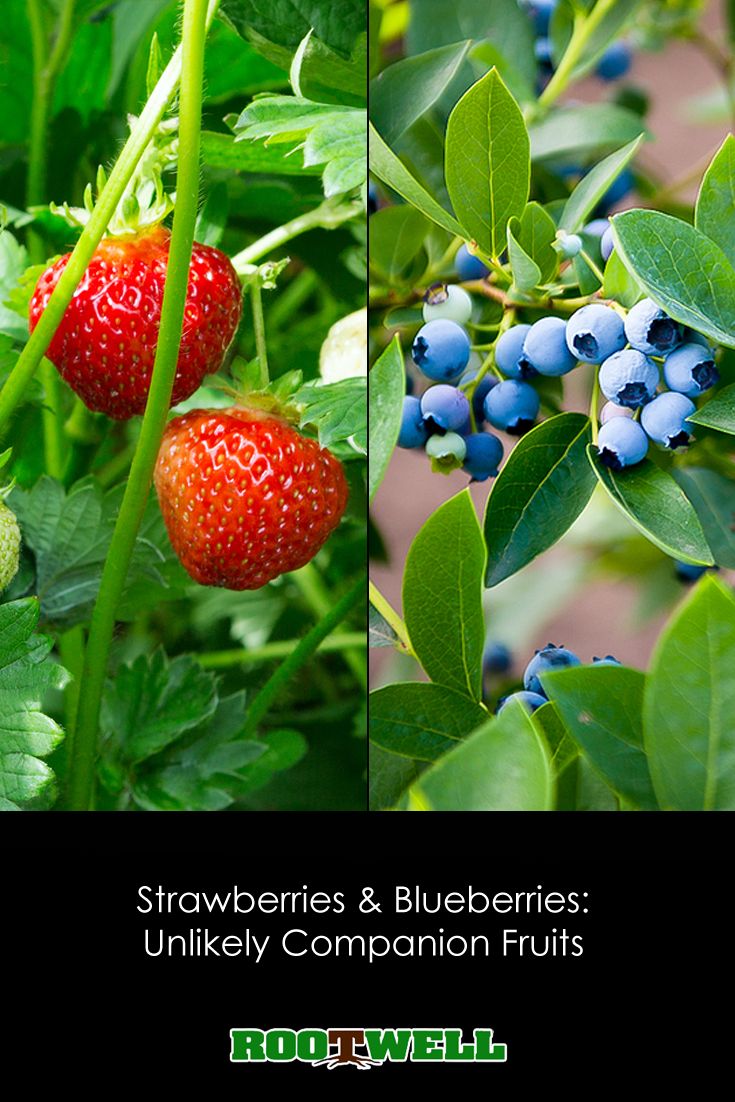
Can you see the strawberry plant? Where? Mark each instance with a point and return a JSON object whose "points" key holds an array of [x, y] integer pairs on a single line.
{"points": [[183, 405], [554, 325]]}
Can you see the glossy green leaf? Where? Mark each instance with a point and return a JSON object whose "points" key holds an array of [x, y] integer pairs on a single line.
{"points": [[380, 633], [713, 497], [686, 273], [526, 272], [503, 766], [689, 710], [715, 210], [718, 412], [591, 188], [579, 131], [580, 788], [286, 158], [442, 596], [386, 388], [389, 776], [396, 237], [657, 506], [620, 284], [338, 411], [537, 233], [602, 709], [387, 167], [407, 89], [421, 721], [487, 164], [539, 493]]}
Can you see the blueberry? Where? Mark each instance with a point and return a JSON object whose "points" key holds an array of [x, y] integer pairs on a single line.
{"points": [[452, 302], [372, 200], [621, 443], [691, 336], [597, 227], [444, 407], [615, 62], [484, 452], [447, 451], [542, 50], [608, 660], [530, 701], [595, 332], [610, 410], [628, 378], [665, 419], [545, 347], [509, 356], [413, 432], [607, 245], [496, 658], [688, 572], [690, 369], [483, 388], [542, 11], [441, 349], [549, 657], [512, 405], [469, 266], [570, 245], [650, 330]]}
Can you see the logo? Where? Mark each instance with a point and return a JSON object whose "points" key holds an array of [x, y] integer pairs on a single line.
{"points": [[363, 1048]]}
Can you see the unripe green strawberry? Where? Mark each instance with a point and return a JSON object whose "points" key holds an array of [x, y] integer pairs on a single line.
{"points": [[245, 497], [9, 546]]}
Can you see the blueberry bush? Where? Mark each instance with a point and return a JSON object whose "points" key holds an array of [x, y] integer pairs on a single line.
{"points": [[183, 192], [555, 322]]}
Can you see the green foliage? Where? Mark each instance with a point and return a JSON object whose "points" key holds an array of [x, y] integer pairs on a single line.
{"points": [[386, 392]]}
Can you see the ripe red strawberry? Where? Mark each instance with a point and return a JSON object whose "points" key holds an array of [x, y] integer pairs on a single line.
{"points": [[244, 496], [106, 343]]}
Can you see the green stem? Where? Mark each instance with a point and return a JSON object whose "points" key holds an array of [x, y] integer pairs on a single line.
{"points": [[319, 599], [17, 382], [594, 404], [223, 659], [275, 684], [81, 779], [391, 617], [584, 28], [261, 346], [71, 653], [326, 216], [293, 296]]}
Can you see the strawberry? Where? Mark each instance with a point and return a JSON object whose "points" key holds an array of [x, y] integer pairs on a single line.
{"points": [[106, 343], [245, 497], [9, 546]]}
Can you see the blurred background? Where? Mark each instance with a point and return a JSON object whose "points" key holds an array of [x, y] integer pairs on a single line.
{"points": [[604, 589]]}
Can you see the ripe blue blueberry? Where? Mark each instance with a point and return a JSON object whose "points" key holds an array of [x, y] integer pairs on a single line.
{"points": [[542, 11], [468, 266], [688, 572], [496, 658], [447, 301], [530, 701], [512, 406], [483, 388], [447, 451], [607, 245], [413, 432], [549, 657], [628, 378], [484, 452], [595, 332], [444, 407], [509, 355], [441, 349], [615, 62], [608, 660], [690, 369], [621, 443], [545, 347], [665, 419], [650, 330], [610, 410], [570, 245], [372, 200], [542, 50]]}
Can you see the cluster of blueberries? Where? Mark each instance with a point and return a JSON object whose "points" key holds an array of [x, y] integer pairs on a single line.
{"points": [[497, 659], [613, 64]]}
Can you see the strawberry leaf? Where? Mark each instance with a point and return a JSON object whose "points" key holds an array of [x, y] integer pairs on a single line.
{"points": [[337, 410]]}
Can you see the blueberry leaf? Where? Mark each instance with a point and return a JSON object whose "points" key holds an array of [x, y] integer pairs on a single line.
{"points": [[502, 766], [715, 209], [602, 709], [657, 506], [591, 188], [718, 412], [386, 390], [390, 169], [407, 89], [420, 721], [380, 633], [581, 131], [442, 596], [389, 777], [537, 232], [487, 162], [620, 284], [689, 709], [526, 272], [683, 271], [540, 492], [396, 238], [713, 497]]}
